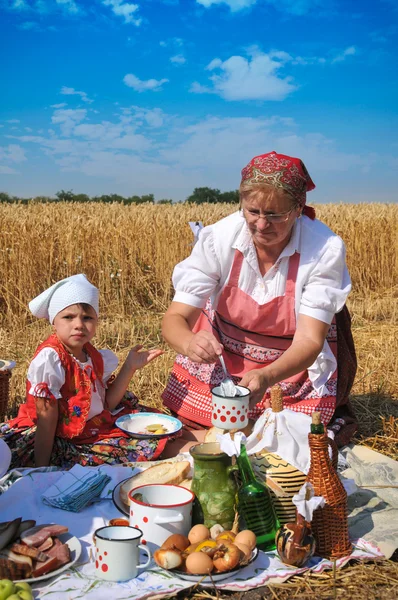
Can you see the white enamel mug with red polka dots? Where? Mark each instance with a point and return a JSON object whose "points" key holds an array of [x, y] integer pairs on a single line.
{"points": [[160, 510], [117, 552], [230, 413]]}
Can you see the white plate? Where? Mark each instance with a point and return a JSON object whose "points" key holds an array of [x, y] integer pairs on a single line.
{"points": [[5, 457], [214, 577], [135, 423], [117, 501], [75, 548]]}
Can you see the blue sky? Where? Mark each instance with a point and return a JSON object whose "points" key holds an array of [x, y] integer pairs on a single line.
{"points": [[162, 96]]}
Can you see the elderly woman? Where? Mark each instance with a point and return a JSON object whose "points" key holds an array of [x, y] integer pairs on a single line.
{"points": [[266, 287]]}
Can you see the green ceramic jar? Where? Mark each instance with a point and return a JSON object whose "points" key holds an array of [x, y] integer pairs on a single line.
{"points": [[213, 485]]}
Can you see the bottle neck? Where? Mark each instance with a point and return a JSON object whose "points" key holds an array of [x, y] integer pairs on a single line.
{"points": [[245, 467], [317, 428]]}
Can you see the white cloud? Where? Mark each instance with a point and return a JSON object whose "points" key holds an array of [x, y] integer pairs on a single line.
{"points": [[178, 59], [234, 5], [350, 51], [198, 88], [68, 91], [43, 7], [242, 78], [294, 7], [13, 153], [29, 26], [4, 170], [20, 5], [139, 85], [68, 119], [298, 7], [153, 117], [259, 77], [143, 150], [174, 41], [13, 121], [60, 105], [123, 9], [69, 5]]}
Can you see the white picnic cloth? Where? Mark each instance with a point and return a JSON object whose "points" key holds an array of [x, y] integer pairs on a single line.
{"points": [[76, 488], [24, 498]]}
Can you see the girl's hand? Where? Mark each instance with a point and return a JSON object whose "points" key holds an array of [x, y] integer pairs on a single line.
{"points": [[204, 347], [138, 358], [257, 381], [47, 420]]}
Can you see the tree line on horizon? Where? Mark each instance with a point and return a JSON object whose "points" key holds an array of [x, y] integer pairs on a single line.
{"points": [[200, 195]]}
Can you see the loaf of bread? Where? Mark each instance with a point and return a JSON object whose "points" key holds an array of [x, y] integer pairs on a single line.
{"points": [[187, 483], [211, 434], [166, 472]]}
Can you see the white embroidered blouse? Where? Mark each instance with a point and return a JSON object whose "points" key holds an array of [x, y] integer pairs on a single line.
{"points": [[46, 368], [322, 284]]}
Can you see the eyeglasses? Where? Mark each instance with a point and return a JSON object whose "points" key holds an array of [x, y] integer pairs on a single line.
{"points": [[271, 217]]}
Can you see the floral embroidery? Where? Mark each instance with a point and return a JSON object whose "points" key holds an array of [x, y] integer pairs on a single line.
{"points": [[77, 411]]}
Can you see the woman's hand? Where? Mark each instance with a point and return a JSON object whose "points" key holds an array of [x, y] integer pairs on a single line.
{"points": [[138, 358], [257, 381], [177, 326], [203, 347]]}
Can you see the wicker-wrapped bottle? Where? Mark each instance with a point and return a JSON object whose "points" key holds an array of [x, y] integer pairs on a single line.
{"points": [[329, 524], [283, 480]]}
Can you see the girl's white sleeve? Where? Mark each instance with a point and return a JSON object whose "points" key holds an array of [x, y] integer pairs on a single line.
{"points": [[46, 374], [111, 362]]}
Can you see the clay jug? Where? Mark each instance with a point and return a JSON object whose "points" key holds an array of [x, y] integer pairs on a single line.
{"points": [[295, 542]]}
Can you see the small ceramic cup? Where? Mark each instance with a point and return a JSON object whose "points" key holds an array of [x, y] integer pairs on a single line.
{"points": [[230, 413], [160, 510], [116, 552]]}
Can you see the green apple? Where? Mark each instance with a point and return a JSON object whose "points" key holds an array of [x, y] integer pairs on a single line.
{"points": [[21, 595], [6, 588], [23, 586]]}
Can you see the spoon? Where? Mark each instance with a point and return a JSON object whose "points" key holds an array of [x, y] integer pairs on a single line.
{"points": [[227, 386]]}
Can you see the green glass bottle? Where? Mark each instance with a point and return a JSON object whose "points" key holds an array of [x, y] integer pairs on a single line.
{"points": [[255, 508]]}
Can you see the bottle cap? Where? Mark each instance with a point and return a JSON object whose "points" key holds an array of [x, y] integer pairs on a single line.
{"points": [[316, 418], [276, 398]]}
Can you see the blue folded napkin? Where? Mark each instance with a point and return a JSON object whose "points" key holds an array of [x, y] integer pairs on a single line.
{"points": [[76, 488]]}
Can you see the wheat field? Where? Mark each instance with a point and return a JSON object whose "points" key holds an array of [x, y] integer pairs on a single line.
{"points": [[129, 253]]}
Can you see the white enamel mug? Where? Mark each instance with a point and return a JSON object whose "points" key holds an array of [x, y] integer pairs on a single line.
{"points": [[160, 510], [117, 552], [230, 413]]}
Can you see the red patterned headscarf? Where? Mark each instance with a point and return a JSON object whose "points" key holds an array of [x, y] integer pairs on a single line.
{"points": [[283, 172]]}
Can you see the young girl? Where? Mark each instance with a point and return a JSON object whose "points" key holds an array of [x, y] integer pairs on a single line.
{"points": [[69, 416]]}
